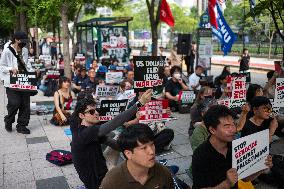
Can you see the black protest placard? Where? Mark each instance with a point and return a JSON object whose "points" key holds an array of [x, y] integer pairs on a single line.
{"points": [[23, 81], [146, 74], [111, 108]]}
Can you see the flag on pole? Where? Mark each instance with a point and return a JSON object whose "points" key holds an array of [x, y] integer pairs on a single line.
{"points": [[212, 13], [166, 14]]}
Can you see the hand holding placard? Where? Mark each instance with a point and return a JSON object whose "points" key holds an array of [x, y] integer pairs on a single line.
{"points": [[146, 97]]}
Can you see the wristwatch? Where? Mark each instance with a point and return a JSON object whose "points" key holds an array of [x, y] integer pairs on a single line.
{"points": [[139, 104]]}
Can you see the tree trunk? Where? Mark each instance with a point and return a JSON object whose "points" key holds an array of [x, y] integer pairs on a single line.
{"points": [[66, 54], [154, 30], [74, 46], [270, 41]]}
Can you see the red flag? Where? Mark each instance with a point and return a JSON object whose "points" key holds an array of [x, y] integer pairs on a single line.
{"points": [[166, 14], [212, 14]]}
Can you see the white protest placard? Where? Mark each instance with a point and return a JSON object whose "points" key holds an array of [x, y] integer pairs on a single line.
{"points": [[114, 77], [128, 94], [238, 92], [249, 153], [275, 107], [106, 90], [279, 92]]}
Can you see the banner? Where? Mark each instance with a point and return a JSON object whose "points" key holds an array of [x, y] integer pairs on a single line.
{"points": [[146, 74], [155, 110], [275, 107], [249, 153], [279, 92], [106, 91], [114, 77], [111, 108], [23, 82], [187, 97], [238, 92], [224, 33], [115, 43], [205, 47]]}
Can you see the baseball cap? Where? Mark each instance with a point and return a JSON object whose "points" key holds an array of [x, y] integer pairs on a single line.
{"points": [[21, 35]]}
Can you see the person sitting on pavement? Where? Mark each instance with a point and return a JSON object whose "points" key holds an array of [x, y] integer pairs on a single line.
{"points": [[130, 66], [221, 86], [125, 85], [139, 170], [88, 136], [269, 88], [78, 80], [113, 65], [95, 65], [174, 86], [62, 102], [226, 70], [91, 82], [212, 160], [130, 76], [194, 78]]}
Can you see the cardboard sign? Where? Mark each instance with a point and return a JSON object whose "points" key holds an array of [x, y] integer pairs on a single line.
{"points": [[45, 58], [239, 91], [155, 110], [111, 108], [23, 82], [114, 77], [279, 92], [275, 107], [225, 102], [187, 97], [146, 74], [249, 153], [106, 91]]}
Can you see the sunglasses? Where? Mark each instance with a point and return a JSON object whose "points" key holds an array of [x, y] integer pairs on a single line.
{"points": [[92, 112]]}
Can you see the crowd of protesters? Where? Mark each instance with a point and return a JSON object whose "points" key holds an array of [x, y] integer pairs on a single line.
{"points": [[212, 128]]}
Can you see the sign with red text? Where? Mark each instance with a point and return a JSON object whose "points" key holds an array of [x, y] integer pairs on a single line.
{"points": [[279, 92], [23, 81], [239, 91], [146, 74], [225, 102], [155, 110], [249, 153], [111, 108]]}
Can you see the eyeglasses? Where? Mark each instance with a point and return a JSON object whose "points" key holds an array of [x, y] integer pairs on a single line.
{"points": [[92, 112]]}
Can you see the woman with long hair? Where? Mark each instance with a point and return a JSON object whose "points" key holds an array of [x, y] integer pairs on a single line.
{"points": [[62, 101]]}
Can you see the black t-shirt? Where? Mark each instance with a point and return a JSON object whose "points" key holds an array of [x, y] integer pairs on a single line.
{"points": [[251, 128], [209, 167], [244, 64], [87, 154], [173, 87]]}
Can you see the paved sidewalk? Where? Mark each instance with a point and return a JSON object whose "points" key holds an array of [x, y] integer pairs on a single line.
{"points": [[22, 157]]}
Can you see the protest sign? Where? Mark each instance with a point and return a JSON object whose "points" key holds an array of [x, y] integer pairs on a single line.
{"points": [[128, 94], [111, 108], [275, 107], [186, 97], [155, 110], [225, 102], [106, 91], [23, 82], [146, 74], [249, 153], [279, 92], [52, 74], [239, 91], [114, 77]]}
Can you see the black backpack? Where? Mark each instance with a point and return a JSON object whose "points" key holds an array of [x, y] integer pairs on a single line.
{"points": [[51, 87]]}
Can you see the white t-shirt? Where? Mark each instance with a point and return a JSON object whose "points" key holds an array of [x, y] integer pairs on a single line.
{"points": [[193, 81]]}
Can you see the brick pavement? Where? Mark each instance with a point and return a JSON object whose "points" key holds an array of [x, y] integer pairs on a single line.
{"points": [[22, 157]]}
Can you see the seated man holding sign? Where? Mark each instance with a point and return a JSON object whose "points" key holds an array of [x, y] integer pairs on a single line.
{"points": [[88, 135], [212, 160]]}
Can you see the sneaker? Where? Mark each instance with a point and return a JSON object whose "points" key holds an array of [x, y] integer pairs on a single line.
{"points": [[23, 130], [8, 127]]}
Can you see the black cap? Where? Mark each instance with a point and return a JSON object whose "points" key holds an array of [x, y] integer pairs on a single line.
{"points": [[21, 35]]}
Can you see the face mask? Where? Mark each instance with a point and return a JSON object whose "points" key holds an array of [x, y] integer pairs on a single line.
{"points": [[21, 45], [177, 75]]}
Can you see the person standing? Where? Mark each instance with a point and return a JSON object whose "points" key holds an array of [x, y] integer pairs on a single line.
{"points": [[13, 61], [189, 59], [244, 64]]}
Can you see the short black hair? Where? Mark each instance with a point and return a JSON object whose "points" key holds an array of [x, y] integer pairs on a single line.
{"points": [[82, 105], [259, 101], [129, 138], [252, 89], [270, 74], [175, 68], [212, 117]]}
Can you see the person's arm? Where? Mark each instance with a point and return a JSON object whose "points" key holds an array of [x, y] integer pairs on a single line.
{"points": [[170, 97], [184, 86], [243, 117], [272, 128], [111, 143], [6, 58]]}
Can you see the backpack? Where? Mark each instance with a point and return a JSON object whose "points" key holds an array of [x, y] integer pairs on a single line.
{"points": [[51, 86], [59, 157]]}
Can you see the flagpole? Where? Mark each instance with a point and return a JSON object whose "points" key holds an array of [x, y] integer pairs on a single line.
{"points": [[244, 10], [161, 43]]}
